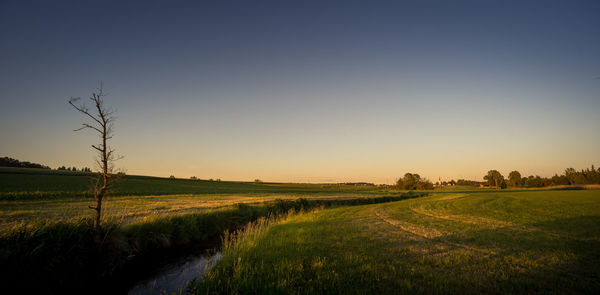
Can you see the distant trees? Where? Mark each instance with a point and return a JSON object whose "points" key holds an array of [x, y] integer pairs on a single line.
{"points": [[535, 181], [587, 176], [569, 177], [468, 182], [74, 169], [101, 121], [495, 178], [514, 178], [556, 180], [357, 183], [258, 181], [10, 162], [413, 181], [446, 183]]}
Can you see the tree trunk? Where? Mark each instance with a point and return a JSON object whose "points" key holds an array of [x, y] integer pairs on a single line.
{"points": [[98, 210], [103, 124]]}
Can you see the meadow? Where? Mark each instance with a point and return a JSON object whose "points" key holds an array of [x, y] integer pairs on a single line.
{"points": [[493, 242], [297, 238], [46, 245], [29, 195], [126, 210], [44, 184]]}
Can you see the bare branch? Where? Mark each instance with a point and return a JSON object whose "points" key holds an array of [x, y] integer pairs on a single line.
{"points": [[104, 119], [88, 126], [83, 109]]}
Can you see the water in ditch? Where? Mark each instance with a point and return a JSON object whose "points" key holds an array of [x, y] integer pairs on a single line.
{"points": [[174, 278]]}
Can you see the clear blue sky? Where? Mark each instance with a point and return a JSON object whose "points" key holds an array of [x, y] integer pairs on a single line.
{"points": [[307, 90]]}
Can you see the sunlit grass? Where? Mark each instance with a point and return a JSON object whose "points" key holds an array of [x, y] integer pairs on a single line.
{"points": [[130, 209], [503, 242], [64, 255]]}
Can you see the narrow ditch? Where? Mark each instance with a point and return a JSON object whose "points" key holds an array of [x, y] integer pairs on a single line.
{"points": [[175, 278]]}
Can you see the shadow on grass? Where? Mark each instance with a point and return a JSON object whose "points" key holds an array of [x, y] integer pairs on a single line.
{"points": [[63, 257], [558, 256], [310, 256]]}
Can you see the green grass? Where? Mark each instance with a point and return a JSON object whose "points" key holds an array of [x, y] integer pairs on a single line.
{"points": [[135, 209], [52, 257], [49, 256], [123, 210], [25, 183], [28, 196], [494, 242], [460, 240]]}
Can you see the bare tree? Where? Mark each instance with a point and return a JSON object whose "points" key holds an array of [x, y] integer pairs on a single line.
{"points": [[101, 120]]}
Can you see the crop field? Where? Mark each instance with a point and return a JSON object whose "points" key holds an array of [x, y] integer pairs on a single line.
{"points": [[132, 209], [31, 195], [493, 242], [459, 240], [47, 246], [26, 183]]}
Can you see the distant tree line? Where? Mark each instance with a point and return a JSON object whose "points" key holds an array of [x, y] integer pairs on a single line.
{"points": [[494, 178], [469, 182], [357, 183], [569, 177], [447, 183], [10, 162], [84, 169], [413, 181]]}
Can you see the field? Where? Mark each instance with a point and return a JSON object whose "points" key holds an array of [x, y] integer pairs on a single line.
{"points": [[25, 184], [316, 238], [45, 240], [503, 242], [31, 195]]}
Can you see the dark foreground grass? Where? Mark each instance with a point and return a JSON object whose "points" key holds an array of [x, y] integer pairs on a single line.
{"points": [[493, 243], [64, 257]]}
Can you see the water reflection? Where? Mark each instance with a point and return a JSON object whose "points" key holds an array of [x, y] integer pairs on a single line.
{"points": [[175, 278]]}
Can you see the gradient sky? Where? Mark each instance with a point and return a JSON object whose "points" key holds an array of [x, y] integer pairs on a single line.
{"points": [[307, 91]]}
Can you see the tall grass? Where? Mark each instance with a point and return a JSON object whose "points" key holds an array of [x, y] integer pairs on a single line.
{"points": [[246, 237], [538, 242], [225, 277], [59, 257]]}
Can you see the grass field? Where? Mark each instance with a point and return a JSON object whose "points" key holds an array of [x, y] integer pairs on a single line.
{"points": [[31, 195], [60, 255], [502, 242], [46, 245], [130, 209], [26, 183], [457, 240]]}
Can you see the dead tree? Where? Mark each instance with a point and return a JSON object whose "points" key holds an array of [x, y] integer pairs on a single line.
{"points": [[101, 121]]}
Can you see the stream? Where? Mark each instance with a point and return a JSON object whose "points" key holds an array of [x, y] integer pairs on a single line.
{"points": [[174, 278]]}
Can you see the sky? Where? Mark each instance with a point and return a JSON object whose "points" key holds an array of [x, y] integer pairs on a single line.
{"points": [[306, 91]]}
